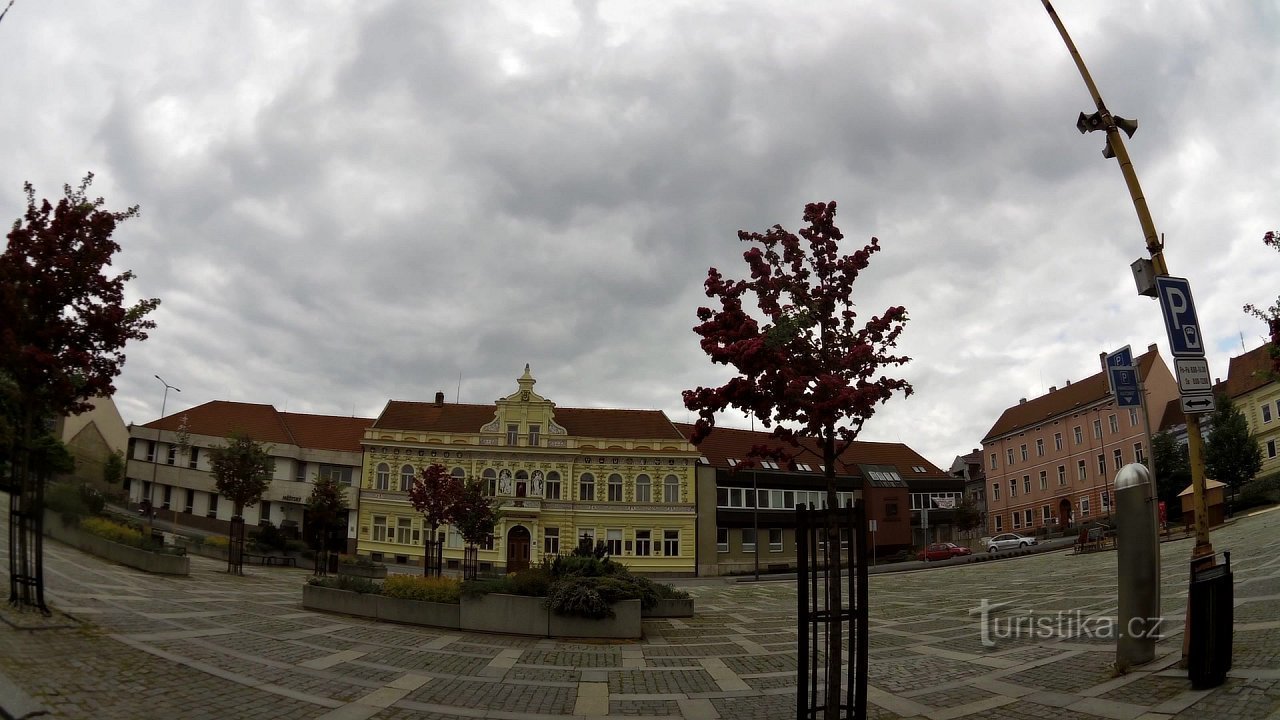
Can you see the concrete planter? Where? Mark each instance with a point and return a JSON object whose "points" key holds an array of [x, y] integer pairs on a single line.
{"points": [[346, 602], [372, 572], [137, 558], [670, 608], [419, 612], [625, 623], [511, 614]]}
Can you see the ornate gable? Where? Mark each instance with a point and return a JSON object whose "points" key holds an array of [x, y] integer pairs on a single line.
{"points": [[525, 409]]}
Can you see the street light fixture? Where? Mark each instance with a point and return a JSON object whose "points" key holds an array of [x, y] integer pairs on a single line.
{"points": [[155, 453]]}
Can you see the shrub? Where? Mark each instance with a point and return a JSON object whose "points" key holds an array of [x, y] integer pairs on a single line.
{"points": [[217, 541], [534, 582], [581, 566], [269, 538], [67, 500], [474, 588], [114, 532], [359, 560], [578, 597], [429, 589], [1260, 491], [360, 585]]}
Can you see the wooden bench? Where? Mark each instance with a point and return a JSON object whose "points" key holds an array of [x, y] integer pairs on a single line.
{"points": [[1095, 538]]}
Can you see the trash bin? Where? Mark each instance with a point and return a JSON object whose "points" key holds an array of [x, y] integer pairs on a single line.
{"points": [[1212, 614], [333, 562]]}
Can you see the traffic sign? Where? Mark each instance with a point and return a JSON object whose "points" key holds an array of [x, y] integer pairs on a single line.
{"points": [[1199, 403], [1180, 319], [1193, 375], [1124, 383], [1120, 358]]}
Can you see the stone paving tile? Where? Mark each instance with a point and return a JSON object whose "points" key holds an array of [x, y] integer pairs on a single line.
{"points": [[1069, 675], [429, 661], [644, 708], [755, 664], [1027, 710], [1239, 700], [1150, 690], [540, 674], [656, 682], [909, 671], [571, 659], [694, 651], [497, 696], [1258, 648], [953, 697]]}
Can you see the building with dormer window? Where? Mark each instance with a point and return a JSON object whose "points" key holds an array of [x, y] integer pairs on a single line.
{"points": [[560, 475]]}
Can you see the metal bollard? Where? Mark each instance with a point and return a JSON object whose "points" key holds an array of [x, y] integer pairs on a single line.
{"points": [[1137, 566]]}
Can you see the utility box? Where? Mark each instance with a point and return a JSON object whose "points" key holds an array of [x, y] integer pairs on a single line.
{"points": [[1211, 599]]}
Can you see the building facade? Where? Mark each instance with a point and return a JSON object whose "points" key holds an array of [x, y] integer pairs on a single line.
{"points": [[1050, 461], [560, 476], [746, 511], [1256, 392], [969, 468], [168, 463]]}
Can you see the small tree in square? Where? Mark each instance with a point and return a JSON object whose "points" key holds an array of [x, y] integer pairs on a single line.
{"points": [[1232, 454], [805, 365], [324, 506], [434, 493], [241, 472], [475, 515]]}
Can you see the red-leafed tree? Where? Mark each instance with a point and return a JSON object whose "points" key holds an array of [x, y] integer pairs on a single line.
{"points": [[806, 367], [435, 493], [63, 328], [1270, 315]]}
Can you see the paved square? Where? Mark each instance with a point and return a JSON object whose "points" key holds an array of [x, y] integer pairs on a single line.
{"points": [[218, 646]]}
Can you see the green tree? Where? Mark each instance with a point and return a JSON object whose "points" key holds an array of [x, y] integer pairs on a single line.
{"points": [[241, 470], [475, 514], [325, 506], [114, 468], [967, 516], [1173, 470], [1231, 455]]}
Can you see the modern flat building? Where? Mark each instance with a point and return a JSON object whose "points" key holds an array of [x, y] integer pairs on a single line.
{"points": [[560, 476], [1050, 461], [177, 483], [746, 512]]}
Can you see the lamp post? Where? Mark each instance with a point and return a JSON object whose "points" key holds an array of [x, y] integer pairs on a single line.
{"points": [[155, 455]]}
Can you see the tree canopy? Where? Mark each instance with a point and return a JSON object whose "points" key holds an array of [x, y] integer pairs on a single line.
{"points": [[325, 505], [241, 470], [1232, 454], [1270, 315], [475, 514], [1172, 468]]}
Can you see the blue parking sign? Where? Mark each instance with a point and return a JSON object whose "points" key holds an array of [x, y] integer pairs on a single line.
{"points": [[1180, 319]]}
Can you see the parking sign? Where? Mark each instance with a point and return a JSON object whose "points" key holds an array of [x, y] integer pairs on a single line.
{"points": [[1180, 319]]}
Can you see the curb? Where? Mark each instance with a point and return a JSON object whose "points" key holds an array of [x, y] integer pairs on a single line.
{"points": [[16, 704]]}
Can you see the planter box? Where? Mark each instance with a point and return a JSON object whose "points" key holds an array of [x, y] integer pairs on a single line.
{"points": [[670, 608], [373, 572], [137, 558], [624, 624], [419, 612], [511, 614], [346, 602]]}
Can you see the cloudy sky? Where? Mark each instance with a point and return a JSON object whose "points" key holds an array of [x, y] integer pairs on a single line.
{"points": [[344, 203]]}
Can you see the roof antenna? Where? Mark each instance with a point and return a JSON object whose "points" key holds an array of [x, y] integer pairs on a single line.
{"points": [[458, 393]]}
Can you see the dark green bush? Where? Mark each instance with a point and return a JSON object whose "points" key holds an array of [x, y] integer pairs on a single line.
{"points": [[66, 499], [578, 597], [474, 588], [534, 582], [344, 582], [581, 566], [268, 538], [1259, 491]]}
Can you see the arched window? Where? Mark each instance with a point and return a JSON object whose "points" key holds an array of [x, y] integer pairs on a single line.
{"points": [[406, 478], [553, 486], [671, 489], [459, 473], [644, 489], [490, 478], [382, 480], [615, 488], [522, 483], [587, 487]]}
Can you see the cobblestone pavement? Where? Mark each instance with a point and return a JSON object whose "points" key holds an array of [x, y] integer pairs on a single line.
{"points": [[130, 645]]}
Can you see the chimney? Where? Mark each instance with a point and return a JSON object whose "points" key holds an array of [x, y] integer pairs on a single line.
{"points": [[1053, 388], [439, 399], [1152, 348], [1022, 401], [1068, 382], [1102, 360]]}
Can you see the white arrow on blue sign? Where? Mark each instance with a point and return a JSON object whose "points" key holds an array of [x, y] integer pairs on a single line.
{"points": [[1180, 319], [1124, 382]]}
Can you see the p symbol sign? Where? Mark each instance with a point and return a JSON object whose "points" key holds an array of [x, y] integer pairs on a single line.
{"points": [[1180, 319]]}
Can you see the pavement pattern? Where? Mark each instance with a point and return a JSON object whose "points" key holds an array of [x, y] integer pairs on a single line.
{"points": [[129, 645]]}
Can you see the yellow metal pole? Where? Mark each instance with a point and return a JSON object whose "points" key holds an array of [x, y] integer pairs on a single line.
{"points": [[1155, 246]]}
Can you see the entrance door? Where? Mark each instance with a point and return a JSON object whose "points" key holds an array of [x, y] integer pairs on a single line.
{"points": [[517, 548], [1064, 512]]}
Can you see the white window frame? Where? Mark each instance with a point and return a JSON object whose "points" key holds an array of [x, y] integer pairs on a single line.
{"points": [[722, 540], [613, 541], [644, 488], [775, 546], [671, 489], [551, 540], [999, 524], [551, 490], [615, 489], [748, 547], [1044, 479], [404, 530], [671, 543], [382, 477], [1084, 507], [644, 543], [587, 487], [379, 528], [406, 478]]}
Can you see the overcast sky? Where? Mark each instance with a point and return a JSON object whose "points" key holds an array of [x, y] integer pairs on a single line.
{"points": [[344, 203]]}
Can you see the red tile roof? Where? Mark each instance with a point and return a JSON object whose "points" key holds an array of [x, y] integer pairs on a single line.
{"points": [[221, 418], [1084, 393], [724, 444], [1249, 371], [578, 422]]}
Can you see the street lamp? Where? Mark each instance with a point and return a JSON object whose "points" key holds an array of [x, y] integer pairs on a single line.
{"points": [[155, 454]]}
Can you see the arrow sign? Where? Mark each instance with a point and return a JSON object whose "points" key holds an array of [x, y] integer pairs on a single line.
{"points": [[1198, 404]]}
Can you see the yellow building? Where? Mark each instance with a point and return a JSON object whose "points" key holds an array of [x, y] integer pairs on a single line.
{"points": [[1256, 392], [560, 475]]}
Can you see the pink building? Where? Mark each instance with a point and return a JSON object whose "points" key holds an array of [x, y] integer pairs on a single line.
{"points": [[1050, 461]]}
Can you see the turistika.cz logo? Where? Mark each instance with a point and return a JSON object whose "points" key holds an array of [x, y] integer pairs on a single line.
{"points": [[1058, 625]]}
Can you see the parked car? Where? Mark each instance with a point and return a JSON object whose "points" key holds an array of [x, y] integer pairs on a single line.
{"points": [[1008, 541], [942, 551]]}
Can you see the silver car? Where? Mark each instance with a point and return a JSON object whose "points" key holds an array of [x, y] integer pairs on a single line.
{"points": [[1008, 541]]}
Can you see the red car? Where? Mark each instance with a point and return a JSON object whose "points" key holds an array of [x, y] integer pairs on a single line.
{"points": [[942, 551]]}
